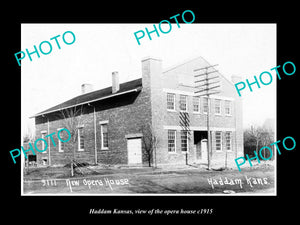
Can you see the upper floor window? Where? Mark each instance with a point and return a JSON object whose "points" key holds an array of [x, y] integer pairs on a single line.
{"points": [[217, 106], [183, 103], [170, 101], [196, 104], [205, 105], [228, 107]]}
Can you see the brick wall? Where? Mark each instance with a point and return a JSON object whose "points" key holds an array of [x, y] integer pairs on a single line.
{"points": [[123, 119], [58, 158], [180, 78]]}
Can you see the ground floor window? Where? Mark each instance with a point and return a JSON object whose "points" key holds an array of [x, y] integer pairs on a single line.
{"points": [[218, 137], [228, 140], [61, 145], [104, 136], [171, 140], [80, 139], [43, 143], [44, 161], [184, 140]]}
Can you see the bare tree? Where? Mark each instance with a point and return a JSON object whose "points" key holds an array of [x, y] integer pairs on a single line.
{"points": [[266, 138], [258, 137], [71, 121], [149, 141], [28, 134], [256, 133]]}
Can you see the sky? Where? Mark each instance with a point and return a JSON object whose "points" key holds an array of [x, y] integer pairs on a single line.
{"points": [[244, 50]]}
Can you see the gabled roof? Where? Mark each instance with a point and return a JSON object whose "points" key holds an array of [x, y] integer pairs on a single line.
{"points": [[130, 86], [182, 63], [192, 59]]}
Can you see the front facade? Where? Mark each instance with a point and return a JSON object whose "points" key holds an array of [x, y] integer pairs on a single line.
{"points": [[110, 121]]}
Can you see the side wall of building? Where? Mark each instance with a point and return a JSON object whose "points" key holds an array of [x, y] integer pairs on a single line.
{"points": [[124, 116], [123, 122], [55, 156]]}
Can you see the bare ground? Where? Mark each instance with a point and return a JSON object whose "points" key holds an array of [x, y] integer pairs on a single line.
{"points": [[256, 180]]}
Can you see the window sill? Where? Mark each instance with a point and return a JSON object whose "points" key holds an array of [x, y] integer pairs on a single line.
{"points": [[171, 110], [172, 153]]}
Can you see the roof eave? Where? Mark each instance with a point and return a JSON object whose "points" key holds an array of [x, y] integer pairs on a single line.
{"points": [[86, 102]]}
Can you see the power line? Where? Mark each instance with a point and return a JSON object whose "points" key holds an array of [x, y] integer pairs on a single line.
{"points": [[207, 87]]}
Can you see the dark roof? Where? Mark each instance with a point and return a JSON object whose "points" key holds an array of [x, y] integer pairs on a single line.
{"points": [[134, 85]]}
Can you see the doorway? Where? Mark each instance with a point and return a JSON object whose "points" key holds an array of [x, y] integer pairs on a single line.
{"points": [[204, 150], [200, 140], [134, 148]]}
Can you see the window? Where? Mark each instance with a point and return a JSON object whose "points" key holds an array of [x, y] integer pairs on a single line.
{"points": [[184, 140], [217, 106], [196, 104], [61, 145], [80, 139], [205, 105], [228, 140], [227, 107], [43, 143], [104, 136], [45, 161], [170, 101], [171, 140], [183, 103], [218, 141]]}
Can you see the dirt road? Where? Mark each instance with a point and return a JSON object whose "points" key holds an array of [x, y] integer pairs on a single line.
{"points": [[184, 181]]}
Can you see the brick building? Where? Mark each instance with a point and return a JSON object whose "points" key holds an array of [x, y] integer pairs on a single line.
{"points": [[110, 120]]}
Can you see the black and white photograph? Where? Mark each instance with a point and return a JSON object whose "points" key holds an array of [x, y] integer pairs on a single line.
{"points": [[163, 117], [134, 112]]}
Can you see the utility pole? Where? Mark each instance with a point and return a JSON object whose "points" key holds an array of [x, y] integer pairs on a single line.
{"points": [[203, 88]]}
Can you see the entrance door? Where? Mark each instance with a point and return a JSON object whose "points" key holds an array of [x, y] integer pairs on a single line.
{"points": [[198, 151], [204, 149], [134, 148]]}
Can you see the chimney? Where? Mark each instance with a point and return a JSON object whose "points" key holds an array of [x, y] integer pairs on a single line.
{"points": [[86, 88], [115, 82], [152, 81], [151, 72]]}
